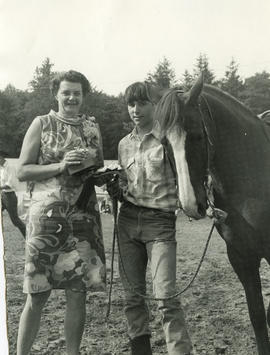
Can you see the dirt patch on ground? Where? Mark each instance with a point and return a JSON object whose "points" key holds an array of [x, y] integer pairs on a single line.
{"points": [[215, 306]]}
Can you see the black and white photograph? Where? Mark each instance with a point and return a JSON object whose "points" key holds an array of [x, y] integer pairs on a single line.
{"points": [[134, 177]]}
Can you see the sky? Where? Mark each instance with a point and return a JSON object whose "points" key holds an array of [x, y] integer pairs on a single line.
{"points": [[117, 42]]}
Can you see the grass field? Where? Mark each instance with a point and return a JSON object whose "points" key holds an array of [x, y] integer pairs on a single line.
{"points": [[215, 306]]}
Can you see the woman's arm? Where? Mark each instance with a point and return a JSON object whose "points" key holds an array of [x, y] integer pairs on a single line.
{"points": [[29, 169]]}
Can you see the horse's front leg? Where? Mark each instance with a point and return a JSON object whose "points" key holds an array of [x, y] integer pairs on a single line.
{"points": [[247, 269]]}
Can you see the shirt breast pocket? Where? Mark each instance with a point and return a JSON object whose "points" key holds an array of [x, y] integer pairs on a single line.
{"points": [[154, 166], [154, 171]]}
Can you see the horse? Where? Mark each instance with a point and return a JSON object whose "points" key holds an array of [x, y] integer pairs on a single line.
{"points": [[210, 133]]}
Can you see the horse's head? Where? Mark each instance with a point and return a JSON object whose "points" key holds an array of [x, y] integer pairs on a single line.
{"points": [[179, 122]]}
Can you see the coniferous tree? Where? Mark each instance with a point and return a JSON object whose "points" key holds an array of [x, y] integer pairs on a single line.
{"points": [[9, 125], [163, 76], [18, 108], [42, 76], [187, 80], [41, 100], [256, 94], [202, 66], [232, 83], [12, 119], [111, 113]]}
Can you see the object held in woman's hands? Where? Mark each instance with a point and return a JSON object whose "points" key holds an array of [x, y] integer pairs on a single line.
{"points": [[107, 173], [112, 169], [89, 164]]}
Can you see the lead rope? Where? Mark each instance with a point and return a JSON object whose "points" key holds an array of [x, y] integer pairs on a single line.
{"points": [[115, 236], [131, 287], [217, 214]]}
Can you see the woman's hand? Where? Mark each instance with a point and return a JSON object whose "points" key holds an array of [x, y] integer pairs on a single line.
{"points": [[73, 157]]}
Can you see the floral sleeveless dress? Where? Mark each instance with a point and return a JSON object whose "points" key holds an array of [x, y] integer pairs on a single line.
{"points": [[64, 245]]}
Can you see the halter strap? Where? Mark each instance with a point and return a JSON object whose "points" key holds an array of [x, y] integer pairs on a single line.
{"points": [[169, 154], [210, 140]]}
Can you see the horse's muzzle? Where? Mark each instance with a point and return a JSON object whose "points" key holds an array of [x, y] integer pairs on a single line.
{"points": [[195, 213], [201, 210]]}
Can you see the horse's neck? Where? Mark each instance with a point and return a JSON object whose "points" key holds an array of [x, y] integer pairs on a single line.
{"points": [[241, 152], [229, 110]]}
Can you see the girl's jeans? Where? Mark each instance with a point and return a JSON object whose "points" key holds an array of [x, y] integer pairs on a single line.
{"points": [[148, 235]]}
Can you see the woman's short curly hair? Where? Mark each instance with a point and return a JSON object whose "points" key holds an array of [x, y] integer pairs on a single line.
{"points": [[71, 76]]}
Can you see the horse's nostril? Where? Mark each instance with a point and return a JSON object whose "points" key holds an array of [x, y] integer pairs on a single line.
{"points": [[201, 210]]}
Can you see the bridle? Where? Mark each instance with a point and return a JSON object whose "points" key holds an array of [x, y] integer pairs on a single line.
{"points": [[209, 147]]}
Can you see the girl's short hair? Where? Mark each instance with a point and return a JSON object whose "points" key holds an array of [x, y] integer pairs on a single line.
{"points": [[71, 76], [136, 92]]}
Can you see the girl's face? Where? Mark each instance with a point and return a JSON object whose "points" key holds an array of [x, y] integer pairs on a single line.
{"points": [[70, 98], [141, 113]]}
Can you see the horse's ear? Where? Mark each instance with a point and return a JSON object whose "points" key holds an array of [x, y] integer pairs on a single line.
{"points": [[154, 92], [192, 95]]}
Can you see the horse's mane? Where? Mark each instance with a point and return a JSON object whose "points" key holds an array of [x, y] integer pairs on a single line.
{"points": [[225, 99], [170, 107], [168, 110]]}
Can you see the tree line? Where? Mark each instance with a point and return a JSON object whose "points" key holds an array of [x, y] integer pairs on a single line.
{"points": [[19, 107]]}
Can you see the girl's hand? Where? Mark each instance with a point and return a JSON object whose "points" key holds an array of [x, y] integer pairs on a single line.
{"points": [[114, 189]]}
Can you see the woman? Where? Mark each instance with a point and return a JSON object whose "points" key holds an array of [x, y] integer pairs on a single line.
{"points": [[64, 246]]}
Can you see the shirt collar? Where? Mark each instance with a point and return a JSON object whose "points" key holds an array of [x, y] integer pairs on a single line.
{"points": [[133, 134], [153, 132]]}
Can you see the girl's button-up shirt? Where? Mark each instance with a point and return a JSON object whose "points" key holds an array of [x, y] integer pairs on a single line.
{"points": [[148, 179]]}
